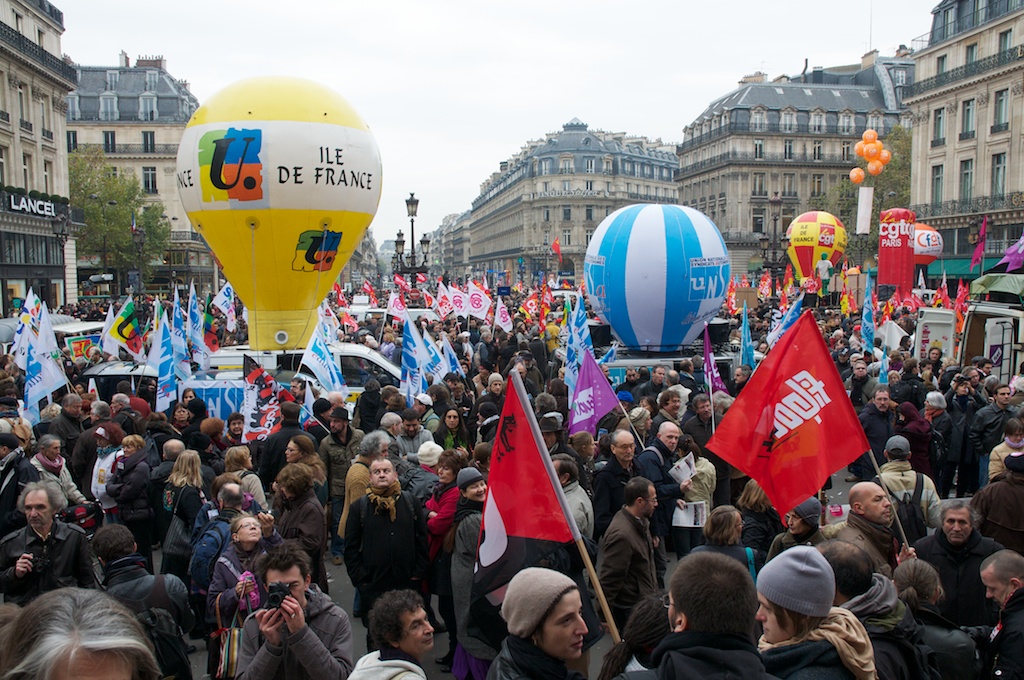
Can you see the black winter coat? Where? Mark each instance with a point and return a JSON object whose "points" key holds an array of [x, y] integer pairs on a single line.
{"points": [[965, 603], [69, 556], [129, 486], [761, 528], [272, 453], [987, 428], [704, 656], [609, 493], [382, 555], [14, 475], [808, 660], [878, 427], [961, 450], [1004, 656], [954, 650]]}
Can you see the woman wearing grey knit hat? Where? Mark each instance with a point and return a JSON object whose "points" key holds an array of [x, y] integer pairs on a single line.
{"points": [[806, 637], [543, 609]]}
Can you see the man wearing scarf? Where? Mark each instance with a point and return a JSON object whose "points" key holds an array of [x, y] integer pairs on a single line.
{"points": [[868, 527], [385, 540]]}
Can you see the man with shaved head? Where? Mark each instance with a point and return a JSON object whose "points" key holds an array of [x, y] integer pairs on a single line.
{"points": [[868, 527]]}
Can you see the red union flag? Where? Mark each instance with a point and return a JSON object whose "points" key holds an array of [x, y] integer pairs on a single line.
{"points": [[444, 303], [421, 277], [402, 284], [525, 515], [793, 425]]}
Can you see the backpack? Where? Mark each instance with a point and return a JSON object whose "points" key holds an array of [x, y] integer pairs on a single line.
{"points": [[937, 451], [205, 551], [416, 481], [21, 430], [162, 631], [908, 510]]}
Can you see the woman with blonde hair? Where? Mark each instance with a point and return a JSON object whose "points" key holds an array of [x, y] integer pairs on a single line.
{"points": [[182, 498], [238, 459], [129, 486]]}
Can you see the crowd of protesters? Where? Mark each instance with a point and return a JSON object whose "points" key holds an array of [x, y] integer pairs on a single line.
{"points": [[248, 532]]}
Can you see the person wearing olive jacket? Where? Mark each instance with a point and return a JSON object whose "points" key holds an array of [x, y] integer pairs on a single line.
{"points": [[337, 450]]}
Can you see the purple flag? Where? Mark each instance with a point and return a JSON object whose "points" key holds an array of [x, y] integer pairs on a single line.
{"points": [[711, 374], [979, 250], [593, 397]]}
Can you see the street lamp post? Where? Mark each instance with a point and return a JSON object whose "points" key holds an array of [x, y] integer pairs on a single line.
{"points": [[103, 208], [776, 264], [139, 237], [408, 265]]}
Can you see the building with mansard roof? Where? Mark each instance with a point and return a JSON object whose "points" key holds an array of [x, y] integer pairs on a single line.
{"points": [[137, 115], [35, 221], [968, 110], [793, 136], [559, 188]]}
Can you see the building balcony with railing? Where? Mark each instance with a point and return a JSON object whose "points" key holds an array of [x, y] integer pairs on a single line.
{"points": [[977, 205], [27, 48], [826, 130], [132, 149], [960, 73], [967, 21], [765, 158]]}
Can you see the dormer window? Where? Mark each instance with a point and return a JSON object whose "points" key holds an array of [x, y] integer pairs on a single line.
{"points": [[112, 80], [151, 78], [147, 107]]}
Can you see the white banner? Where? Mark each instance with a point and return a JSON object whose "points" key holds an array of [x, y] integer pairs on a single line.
{"points": [[865, 209]]}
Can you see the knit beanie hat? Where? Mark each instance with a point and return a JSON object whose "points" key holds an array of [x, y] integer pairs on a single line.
{"points": [[429, 453], [1014, 462], [468, 476], [809, 511], [495, 377], [530, 596], [800, 580]]}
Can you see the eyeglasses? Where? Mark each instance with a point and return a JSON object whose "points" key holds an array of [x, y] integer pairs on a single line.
{"points": [[666, 600]]}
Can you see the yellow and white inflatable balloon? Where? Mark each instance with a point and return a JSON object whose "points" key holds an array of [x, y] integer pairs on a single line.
{"points": [[282, 177]]}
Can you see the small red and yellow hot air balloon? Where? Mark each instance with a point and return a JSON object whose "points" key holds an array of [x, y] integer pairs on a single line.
{"points": [[812, 234]]}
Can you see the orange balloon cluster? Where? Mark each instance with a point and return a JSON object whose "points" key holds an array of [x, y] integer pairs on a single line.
{"points": [[871, 149]]}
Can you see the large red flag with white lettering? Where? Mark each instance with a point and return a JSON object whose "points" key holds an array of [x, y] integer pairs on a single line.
{"points": [[793, 424], [525, 515]]}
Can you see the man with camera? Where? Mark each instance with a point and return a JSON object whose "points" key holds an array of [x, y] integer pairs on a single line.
{"points": [[300, 632], [46, 554]]}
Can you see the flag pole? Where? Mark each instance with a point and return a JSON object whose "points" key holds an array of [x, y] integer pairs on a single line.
{"points": [[895, 515], [605, 609]]}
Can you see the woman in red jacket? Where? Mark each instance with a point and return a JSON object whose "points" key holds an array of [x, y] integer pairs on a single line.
{"points": [[440, 516]]}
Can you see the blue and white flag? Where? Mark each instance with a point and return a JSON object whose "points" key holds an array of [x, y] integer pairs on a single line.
{"points": [[42, 378], [578, 342], [319, 360], [883, 372], [435, 363], [746, 343], [792, 314], [610, 355], [179, 341], [47, 339], [225, 302], [196, 332], [414, 375], [450, 356], [161, 355], [867, 320], [328, 322]]}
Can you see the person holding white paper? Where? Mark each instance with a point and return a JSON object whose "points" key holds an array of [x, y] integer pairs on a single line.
{"points": [[702, 488]]}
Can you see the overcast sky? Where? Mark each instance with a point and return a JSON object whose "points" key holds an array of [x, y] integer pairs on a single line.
{"points": [[451, 88]]}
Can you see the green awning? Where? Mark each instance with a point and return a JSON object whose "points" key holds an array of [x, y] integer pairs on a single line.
{"points": [[958, 267], [999, 283]]}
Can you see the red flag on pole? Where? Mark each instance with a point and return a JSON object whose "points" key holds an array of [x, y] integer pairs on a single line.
{"points": [[525, 515], [401, 283], [793, 425], [557, 248]]}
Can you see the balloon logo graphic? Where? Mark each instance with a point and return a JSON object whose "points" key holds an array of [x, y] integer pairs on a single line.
{"points": [[282, 177], [812, 234], [655, 274], [927, 244]]}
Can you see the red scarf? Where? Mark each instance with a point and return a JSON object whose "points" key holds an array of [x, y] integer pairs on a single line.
{"points": [[52, 466]]}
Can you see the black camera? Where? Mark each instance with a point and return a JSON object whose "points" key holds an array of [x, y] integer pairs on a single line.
{"points": [[276, 592], [960, 379]]}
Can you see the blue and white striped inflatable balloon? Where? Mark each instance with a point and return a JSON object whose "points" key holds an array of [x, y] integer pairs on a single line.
{"points": [[655, 274]]}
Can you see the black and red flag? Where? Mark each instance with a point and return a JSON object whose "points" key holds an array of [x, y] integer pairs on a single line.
{"points": [[260, 406], [525, 517], [793, 424]]}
